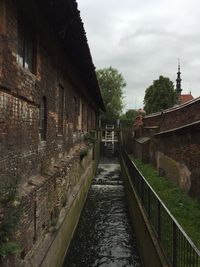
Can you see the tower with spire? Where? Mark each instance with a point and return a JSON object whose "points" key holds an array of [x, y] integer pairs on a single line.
{"points": [[178, 84]]}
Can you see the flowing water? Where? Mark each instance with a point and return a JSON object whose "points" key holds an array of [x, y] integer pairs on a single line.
{"points": [[104, 236]]}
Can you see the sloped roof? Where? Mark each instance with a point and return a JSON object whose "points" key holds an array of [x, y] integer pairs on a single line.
{"points": [[186, 97], [176, 107], [63, 18]]}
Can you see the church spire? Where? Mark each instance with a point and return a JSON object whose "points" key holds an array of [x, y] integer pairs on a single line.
{"points": [[178, 84]]}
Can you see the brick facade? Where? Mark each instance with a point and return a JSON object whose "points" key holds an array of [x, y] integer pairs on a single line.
{"points": [[34, 161], [175, 117], [174, 144]]}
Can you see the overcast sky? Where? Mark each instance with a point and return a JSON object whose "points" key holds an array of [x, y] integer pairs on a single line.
{"points": [[143, 39]]}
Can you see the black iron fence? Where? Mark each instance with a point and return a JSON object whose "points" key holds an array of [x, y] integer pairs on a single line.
{"points": [[176, 245]]}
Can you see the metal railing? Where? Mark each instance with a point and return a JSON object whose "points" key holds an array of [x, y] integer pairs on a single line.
{"points": [[176, 245]]}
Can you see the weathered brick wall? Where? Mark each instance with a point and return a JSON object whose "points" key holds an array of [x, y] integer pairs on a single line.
{"points": [[181, 116], [21, 92], [175, 117], [175, 145], [18, 135], [46, 172], [152, 120], [44, 201], [180, 153]]}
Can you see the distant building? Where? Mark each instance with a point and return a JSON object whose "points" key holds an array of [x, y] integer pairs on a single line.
{"points": [[141, 111], [138, 122], [186, 97]]}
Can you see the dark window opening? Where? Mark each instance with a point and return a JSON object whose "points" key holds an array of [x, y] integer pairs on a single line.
{"points": [[23, 254], [26, 52], [51, 215], [75, 113], [83, 121], [43, 119], [35, 222], [88, 118], [91, 120], [60, 110]]}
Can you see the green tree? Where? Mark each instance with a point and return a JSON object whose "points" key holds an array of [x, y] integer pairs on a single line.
{"points": [[160, 95], [127, 119], [131, 114], [112, 84]]}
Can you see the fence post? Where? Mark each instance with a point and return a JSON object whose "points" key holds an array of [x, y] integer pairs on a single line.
{"points": [[142, 191], [159, 220], [149, 203], [178, 248], [174, 245]]}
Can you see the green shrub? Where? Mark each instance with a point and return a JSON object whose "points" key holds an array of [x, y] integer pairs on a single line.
{"points": [[90, 137], [9, 248], [12, 212], [83, 153], [64, 199]]}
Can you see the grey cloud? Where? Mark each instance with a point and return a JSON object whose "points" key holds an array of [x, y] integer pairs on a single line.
{"points": [[143, 39]]}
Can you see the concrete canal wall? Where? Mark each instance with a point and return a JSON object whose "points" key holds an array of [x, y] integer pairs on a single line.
{"points": [[57, 250], [148, 247]]}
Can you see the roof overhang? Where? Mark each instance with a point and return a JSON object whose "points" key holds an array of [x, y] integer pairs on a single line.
{"points": [[63, 18]]}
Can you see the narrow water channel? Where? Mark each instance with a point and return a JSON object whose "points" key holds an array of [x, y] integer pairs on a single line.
{"points": [[104, 236]]}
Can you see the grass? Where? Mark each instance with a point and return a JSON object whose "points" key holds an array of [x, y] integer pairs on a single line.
{"points": [[185, 209]]}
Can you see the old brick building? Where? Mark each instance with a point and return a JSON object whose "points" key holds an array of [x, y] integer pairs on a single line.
{"points": [[170, 140], [49, 98]]}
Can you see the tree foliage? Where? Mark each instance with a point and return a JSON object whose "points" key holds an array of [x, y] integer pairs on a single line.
{"points": [[132, 114], [127, 119], [160, 95], [11, 208], [112, 84]]}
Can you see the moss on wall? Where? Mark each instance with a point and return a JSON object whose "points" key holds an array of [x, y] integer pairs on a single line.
{"points": [[175, 171], [58, 248]]}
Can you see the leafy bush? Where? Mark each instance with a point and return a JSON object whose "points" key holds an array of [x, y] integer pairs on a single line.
{"points": [[9, 248], [64, 199], [83, 153], [8, 188], [12, 212], [90, 137]]}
